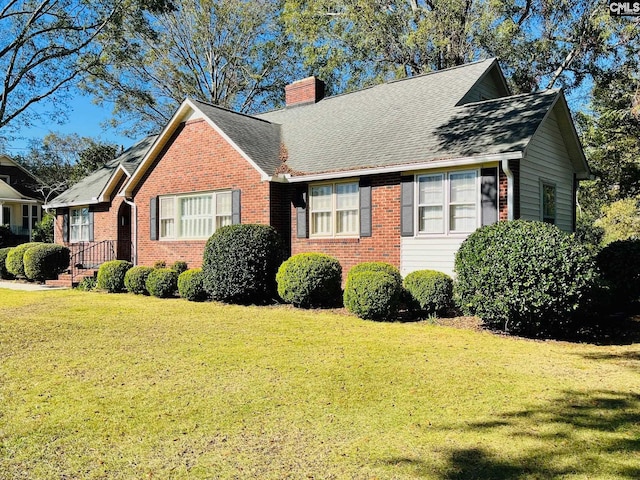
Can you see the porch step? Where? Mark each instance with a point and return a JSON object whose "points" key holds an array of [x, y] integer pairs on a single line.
{"points": [[66, 280]]}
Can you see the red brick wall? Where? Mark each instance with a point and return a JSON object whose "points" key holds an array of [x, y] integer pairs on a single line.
{"points": [[383, 246], [514, 166], [196, 159]]}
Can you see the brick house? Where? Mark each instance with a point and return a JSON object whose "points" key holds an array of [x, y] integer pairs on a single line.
{"points": [[400, 172], [20, 202]]}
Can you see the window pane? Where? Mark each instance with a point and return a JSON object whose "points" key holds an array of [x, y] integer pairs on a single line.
{"points": [[196, 218], [223, 203], [347, 221], [430, 190], [321, 223], [431, 219], [321, 198], [463, 187], [166, 228], [463, 218], [548, 202], [223, 221], [347, 196]]}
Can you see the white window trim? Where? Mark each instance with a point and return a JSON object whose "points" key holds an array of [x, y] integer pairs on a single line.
{"points": [[176, 214], [333, 211], [547, 183], [79, 225], [446, 204]]}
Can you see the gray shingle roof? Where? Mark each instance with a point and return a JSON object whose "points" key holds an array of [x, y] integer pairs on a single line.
{"points": [[87, 190], [258, 138], [415, 120]]}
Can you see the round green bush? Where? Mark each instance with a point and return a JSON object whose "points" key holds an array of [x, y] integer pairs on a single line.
{"points": [[135, 280], [111, 275], [310, 280], [619, 264], [375, 267], [430, 291], [15, 259], [240, 264], [45, 261], [524, 277], [373, 295], [179, 266], [190, 286], [4, 273], [162, 282]]}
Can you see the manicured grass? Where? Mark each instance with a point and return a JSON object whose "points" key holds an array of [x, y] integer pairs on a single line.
{"points": [[122, 386]]}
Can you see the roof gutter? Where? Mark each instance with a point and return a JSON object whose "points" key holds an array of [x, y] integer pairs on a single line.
{"points": [[78, 203], [510, 190], [454, 162]]}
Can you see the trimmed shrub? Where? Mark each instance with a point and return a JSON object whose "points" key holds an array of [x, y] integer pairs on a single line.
{"points": [[375, 267], [179, 266], [4, 273], [162, 282], [87, 284], [430, 291], [310, 280], [135, 280], [373, 295], [190, 286], [160, 264], [619, 264], [15, 259], [111, 275], [524, 277], [45, 261], [240, 264]]}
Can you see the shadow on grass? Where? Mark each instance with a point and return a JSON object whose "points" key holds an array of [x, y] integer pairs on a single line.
{"points": [[585, 434]]}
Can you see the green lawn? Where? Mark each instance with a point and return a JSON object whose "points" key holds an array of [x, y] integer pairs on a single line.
{"points": [[120, 386]]}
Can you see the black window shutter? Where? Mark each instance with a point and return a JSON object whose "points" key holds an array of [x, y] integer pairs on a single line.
{"points": [[236, 207], [365, 208], [489, 195], [91, 237], [301, 214], [153, 218], [65, 226], [407, 209]]}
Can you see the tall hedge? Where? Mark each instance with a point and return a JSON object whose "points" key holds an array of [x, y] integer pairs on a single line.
{"points": [[111, 275], [4, 273], [310, 280], [240, 264], [45, 261], [15, 259], [523, 277]]}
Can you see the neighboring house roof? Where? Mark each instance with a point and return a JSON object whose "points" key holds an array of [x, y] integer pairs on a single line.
{"points": [[90, 189], [22, 181], [414, 121]]}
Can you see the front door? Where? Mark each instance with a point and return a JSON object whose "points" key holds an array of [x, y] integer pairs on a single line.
{"points": [[124, 233]]}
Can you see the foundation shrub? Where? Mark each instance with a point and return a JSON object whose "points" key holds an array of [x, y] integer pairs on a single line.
{"points": [[45, 261], [135, 280], [162, 282], [180, 266], [190, 285], [111, 276], [524, 277], [429, 292], [375, 267], [4, 273], [310, 280], [15, 259], [373, 295], [240, 264]]}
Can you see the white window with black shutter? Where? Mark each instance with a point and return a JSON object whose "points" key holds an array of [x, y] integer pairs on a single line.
{"points": [[80, 225], [193, 216], [334, 210]]}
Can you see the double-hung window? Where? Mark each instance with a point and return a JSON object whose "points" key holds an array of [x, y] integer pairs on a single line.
{"points": [[79, 225], [194, 216], [448, 202], [334, 209]]}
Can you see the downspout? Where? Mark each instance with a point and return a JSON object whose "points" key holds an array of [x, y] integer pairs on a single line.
{"points": [[510, 201], [134, 241]]}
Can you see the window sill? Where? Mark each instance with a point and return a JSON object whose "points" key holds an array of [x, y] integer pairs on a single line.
{"points": [[333, 239]]}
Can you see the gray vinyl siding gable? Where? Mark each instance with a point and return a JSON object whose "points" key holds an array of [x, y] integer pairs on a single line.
{"points": [[547, 161], [485, 89]]}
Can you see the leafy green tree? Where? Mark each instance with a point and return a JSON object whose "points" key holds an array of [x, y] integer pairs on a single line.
{"points": [[231, 53], [620, 220]]}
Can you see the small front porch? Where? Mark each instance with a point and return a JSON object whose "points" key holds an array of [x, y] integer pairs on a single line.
{"points": [[20, 216]]}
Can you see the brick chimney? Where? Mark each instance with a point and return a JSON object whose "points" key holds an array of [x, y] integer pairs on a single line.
{"points": [[307, 90]]}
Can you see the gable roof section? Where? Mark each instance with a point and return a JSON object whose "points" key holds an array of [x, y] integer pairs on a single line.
{"points": [[17, 173], [256, 140], [394, 123], [94, 188]]}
